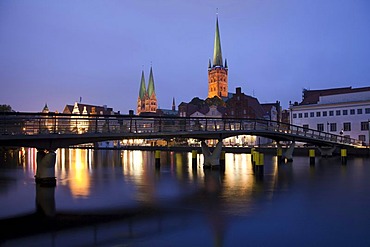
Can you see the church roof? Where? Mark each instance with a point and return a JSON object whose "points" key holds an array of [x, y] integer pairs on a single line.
{"points": [[151, 89], [217, 53], [142, 90]]}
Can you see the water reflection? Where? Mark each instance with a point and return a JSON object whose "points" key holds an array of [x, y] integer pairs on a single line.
{"points": [[97, 182]]}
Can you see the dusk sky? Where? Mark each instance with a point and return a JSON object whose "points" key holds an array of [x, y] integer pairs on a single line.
{"points": [[55, 52]]}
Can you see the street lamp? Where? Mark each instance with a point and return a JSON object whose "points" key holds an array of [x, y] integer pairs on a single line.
{"points": [[368, 128]]}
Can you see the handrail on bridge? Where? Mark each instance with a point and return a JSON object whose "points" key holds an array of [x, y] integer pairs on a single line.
{"points": [[23, 123]]}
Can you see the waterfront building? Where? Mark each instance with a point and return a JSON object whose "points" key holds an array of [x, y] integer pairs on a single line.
{"points": [[79, 123], [218, 71], [147, 100], [338, 110]]}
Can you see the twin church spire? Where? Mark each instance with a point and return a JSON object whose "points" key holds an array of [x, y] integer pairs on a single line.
{"points": [[147, 100]]}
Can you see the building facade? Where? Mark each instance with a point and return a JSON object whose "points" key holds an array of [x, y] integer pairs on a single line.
{"points": [[342, 111], [147, 100], [218, 71]]}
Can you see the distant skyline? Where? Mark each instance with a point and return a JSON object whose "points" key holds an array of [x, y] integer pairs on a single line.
{"points": [[55, 52]]}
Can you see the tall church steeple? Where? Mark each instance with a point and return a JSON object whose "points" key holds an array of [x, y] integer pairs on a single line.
{"points": [[142, 90], [142, 95], [218, 72], [151, 89], [217, 52]]}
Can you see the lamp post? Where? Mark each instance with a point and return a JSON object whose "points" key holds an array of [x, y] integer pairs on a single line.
{"points": [[368, 128]]}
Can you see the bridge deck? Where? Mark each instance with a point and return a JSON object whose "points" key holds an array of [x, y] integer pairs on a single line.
{"points": [[63, 130]]}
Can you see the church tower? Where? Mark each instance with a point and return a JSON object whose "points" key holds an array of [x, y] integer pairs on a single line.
{"points": [[147, 100], [217, 73]]}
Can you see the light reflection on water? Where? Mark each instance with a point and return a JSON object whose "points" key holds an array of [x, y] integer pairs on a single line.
{"points": [[218, 204]]}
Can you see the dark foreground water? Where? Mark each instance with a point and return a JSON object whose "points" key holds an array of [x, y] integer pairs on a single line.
{"points": [[118, 198]]}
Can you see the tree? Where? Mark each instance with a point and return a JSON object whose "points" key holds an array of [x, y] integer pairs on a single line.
{"points": [[5, 108]]}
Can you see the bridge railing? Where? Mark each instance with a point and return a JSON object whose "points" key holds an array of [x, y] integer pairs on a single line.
{"points": [[57, 123]]}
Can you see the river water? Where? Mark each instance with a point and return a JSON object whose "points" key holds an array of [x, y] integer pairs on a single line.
{"points": [[134, 204]]}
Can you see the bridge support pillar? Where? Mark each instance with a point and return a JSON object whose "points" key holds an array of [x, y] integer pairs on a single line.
{"points": [[45, 171], [288, 155], [311, 153], [343, 156], [326, 151], [279, 154], [157, 156], [211, 160], [194, 161]]}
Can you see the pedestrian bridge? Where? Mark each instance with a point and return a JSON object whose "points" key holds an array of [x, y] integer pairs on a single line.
{"points": [[54, 130], [48, 132]]}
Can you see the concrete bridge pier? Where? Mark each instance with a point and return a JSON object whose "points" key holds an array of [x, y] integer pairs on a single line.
{"points": [[45, 171], [211, 159], [326, 151], [288, 155]]}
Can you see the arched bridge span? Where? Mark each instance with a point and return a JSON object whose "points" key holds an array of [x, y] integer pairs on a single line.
{"points": [[53, 130]]}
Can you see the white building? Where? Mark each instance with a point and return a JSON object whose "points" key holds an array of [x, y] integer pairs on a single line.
{"points": [[338, 111]]}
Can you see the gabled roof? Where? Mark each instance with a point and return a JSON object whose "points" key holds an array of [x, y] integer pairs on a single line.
{"points": [[91, 109]]}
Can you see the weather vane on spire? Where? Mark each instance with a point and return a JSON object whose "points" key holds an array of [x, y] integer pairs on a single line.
{"points": [[216, 11]]}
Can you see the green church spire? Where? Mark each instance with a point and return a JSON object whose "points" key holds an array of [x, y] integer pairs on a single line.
{"points": [[151, 89], [142, 86], [217, 53]]}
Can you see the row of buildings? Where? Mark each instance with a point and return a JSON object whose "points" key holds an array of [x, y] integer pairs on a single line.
{"points": [[343, 111]]}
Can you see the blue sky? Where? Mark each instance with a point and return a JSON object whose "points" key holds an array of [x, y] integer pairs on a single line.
{"points": [[55, 52]]}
